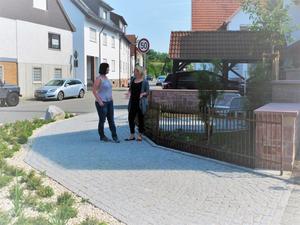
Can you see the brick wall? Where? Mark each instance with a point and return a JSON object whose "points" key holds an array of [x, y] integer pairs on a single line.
{"points": [[268, 141], [181, 98]]}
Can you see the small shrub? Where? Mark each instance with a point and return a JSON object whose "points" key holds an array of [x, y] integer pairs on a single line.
{"points": [[22, 139], [31, 201], [63, 214], [12, 171], [45, 192], [45, 207], [4, 218], [17, 197], [32, 221], [32, 181], [65, 199], [5, 180], [92, 221]]}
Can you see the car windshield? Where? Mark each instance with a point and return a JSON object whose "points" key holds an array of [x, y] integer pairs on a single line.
{"points": [[55, 83], [225, 99]]}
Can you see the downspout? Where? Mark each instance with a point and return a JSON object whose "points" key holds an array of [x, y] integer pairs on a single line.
{"points": [[100, 43], [120, 62]]}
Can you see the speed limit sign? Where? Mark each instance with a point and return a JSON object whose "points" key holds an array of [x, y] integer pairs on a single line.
{"points": [[144, 45]]}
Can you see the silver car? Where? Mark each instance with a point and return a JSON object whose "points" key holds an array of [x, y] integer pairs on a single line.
{"points": [[60, 89]]}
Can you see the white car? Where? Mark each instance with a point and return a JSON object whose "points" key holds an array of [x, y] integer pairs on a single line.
{"points": [[60, 89]]}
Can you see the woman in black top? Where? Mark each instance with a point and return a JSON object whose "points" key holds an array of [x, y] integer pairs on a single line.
{"points": [[139, 88]]}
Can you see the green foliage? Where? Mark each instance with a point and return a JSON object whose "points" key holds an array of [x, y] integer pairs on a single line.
{"points": [[47, 207], [45, 192], [32, 181], [17, 197], [5, 180], [4, 218], [65, 199], [31, 200], [63, 214], [271, 18], [158, 63], [92, 221], [259, 88], [32, 221]]}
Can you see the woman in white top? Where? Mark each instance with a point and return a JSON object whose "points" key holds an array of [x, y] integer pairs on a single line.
{"points": [[102, 90]]}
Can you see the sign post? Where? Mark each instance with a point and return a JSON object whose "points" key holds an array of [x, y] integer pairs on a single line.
{"points": [[144, 47]]}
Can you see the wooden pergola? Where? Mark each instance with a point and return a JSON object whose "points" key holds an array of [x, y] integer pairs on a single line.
{"points": [[227, 48]]}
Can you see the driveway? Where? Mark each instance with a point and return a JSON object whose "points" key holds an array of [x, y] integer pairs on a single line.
{"points": [[145, 185]]}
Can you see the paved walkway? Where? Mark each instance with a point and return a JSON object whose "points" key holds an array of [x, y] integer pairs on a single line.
{"points": [[144, 185]]}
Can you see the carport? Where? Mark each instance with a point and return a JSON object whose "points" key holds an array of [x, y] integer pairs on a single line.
{"points": [[225, 49]]}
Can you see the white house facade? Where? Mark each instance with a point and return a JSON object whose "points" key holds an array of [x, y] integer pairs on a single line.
{"points": [[97, 39], [34, 50]]}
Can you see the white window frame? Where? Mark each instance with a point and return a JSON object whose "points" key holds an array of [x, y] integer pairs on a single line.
{"points": [[113, 42], [93, 35], [56, 74], [104, 39], [33, 75], [113, 65], [2, 73], [40, 4], [104, 14], [50, 38]]}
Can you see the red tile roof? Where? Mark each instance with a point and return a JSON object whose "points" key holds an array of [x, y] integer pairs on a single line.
{"points": [[205, 46], [209, 15]]}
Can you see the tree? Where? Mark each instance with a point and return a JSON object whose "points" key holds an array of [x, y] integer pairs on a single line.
{"points": [[158, 63], [209, 87], [271, 19]]}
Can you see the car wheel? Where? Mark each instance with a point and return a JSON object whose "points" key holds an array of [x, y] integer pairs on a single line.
{"points": [[81, 93], [12, 99], [60, 96]]}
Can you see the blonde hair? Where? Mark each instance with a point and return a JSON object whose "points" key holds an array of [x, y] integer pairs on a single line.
{"points": [[140, 69]]}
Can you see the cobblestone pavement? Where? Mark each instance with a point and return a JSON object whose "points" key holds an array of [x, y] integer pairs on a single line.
{"points": [[145, 185]]}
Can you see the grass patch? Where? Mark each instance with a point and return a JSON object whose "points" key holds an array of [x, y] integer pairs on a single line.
{"points": [[92, 221], [5, 180], [32, 221], [17, 196], [4, 218], [31, 200], [65, 199], [45, 192], [47, 207], [32, 181]]}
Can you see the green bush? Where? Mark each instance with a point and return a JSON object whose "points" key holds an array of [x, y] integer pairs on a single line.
{"points": [[5, 180], [63, 214], [32, 221], [32, 181], [92, 221], [22, 139], [31, 201], [65, 199], [45, 207], [45, 192]]}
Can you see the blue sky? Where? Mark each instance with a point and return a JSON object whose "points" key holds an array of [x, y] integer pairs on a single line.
{"points": [[154, 19]]}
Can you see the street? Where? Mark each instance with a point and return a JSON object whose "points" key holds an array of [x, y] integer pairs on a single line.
{"points": [[31, 108]]}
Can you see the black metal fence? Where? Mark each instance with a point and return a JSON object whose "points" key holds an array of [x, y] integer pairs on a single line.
{"points": [[238, 137]]}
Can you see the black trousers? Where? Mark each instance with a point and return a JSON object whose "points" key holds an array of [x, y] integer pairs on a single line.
{"points": [[133, 112], [106, 111]]}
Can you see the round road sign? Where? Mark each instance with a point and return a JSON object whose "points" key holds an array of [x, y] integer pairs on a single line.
{"points": [[144, 45]]}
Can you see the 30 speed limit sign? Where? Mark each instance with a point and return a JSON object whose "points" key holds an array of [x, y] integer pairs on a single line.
{"points": [[144, 45]]}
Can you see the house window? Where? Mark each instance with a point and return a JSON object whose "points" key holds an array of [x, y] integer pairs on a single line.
{"points": [[37, 75], [104, 39], [40, 4], [113, 65], [54, 41], [113, 42], [104, 15], [57, 73], [93, 35], [1, 73]]}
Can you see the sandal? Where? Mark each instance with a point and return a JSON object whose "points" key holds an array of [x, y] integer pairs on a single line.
{"points": [[139, 138], [130, 139]]}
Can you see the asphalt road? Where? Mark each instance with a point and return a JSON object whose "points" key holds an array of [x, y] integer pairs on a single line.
{"points": [[31, 108]]}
